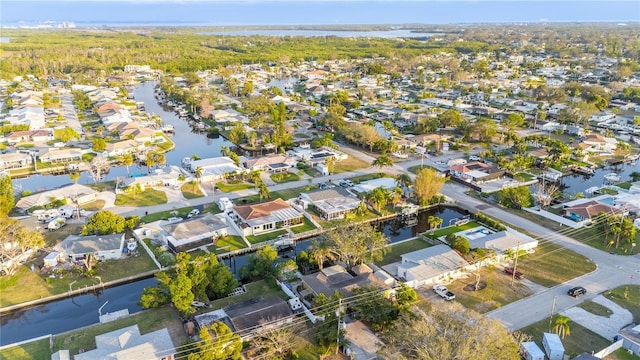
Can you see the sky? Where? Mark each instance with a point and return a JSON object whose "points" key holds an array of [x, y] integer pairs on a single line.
{"points": [[312, 12]]}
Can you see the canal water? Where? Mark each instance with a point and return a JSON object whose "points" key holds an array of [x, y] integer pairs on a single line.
{"points": [[82, 310], [187, 143]]}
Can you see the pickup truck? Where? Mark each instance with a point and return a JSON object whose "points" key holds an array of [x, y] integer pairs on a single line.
{"points": [[518, 275], [443, 292]]}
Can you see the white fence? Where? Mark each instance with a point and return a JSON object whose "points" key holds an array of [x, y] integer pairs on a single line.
{"points": [[609, 349], [292, 295], [554, 217]]}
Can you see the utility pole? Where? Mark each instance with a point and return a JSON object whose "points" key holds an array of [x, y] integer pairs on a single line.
{"points": [[515, 264], [338, 320], [553, 307]]}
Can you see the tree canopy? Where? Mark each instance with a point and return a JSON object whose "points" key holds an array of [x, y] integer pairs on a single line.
{"points": [[428, 184], [354, 243]]}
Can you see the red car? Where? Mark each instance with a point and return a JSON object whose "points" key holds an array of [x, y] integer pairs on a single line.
{"points": [[518, 274]]}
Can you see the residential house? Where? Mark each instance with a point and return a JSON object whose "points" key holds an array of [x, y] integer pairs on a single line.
{"points": [[29, 135], [212, 168], [313, 157], [108, 109], [337, 278], [103, 247], [432, 265], [370, 185], [129, 344], [121, 148], [501, 242], [333, 203], [272, 163], [27, 115], [17, 160], [475, 171], [630, 336], [167, 176], [74, 193], [266, 217], [584, 210], [195, 232], [57, 156], [600, 144], [139, 134]]}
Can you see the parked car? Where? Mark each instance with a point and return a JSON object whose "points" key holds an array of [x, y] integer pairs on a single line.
{"points": [[193, 213], [174, 219], [474, 158], [577, 291], [324, 186], [443, 292], [346, 183], [518, 275]]}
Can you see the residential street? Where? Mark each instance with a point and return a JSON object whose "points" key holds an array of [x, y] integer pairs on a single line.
{"points": [[612, 270]]}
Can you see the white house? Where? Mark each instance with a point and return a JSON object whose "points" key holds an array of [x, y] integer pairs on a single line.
{"points": [[435, 264], [103, 247], [212, 168], [331, 203], [128, 344], [369, 185]]}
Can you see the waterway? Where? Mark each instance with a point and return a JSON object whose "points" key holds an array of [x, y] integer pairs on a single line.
{"points": [[186, 142], [576, 183], [71, 313], [402, 33], [78, 311]]}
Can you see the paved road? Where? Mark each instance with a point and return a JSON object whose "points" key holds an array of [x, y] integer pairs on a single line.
{"points": [[612, 270]]}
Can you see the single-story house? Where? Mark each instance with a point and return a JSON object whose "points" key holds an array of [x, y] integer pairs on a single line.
{"points": [[369, 185], [17, 160], [73, 192], [122, 147], [128, 344], [336, 278], [586, 210], [474, 171], [600, 144], [103, 247], [501, 241], [273, 163], [213, 168], [266, 217], [247, 315], [53, 155], [30, 135], [438, 263], [331, 203], [140, 134], [630, 336], [167, 176], [315, 156], [195, 232]]}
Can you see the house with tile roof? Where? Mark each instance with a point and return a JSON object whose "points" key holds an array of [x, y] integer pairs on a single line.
{"points": [[273, 163], [266, 217], [587, 210]]}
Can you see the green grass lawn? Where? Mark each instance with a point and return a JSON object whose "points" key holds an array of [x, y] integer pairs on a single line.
{"points": [[35, 350], [148, 321], [307, 226], [254, 289], [368, 215], [104, 186], [228, 243], [596, 308], [416, 168], [552, 264], [148, 197], [224, 187], [284, 177], [523, 176], [349, 164], [191, 191], [581, 339], [360, 178], [621, 354], [592, 236], [451, 230], [498, 292], [182, 212], [624, 185], [256, 239], [627, 296], [93, 206], [396, 250], [284, 194]]}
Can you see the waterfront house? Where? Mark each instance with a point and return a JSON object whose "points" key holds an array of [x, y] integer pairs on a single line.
{"points": [[333, 203], [337, 278], [212, 168], [128, 344], [501, 242], [266, 217], [194, 232], [432, 265], [17, 160], [474, 171], [122, 147], [583, 210], [103, 247], [369, 185], [29, 135], [600, 144], [74, 193], [57, 156]]}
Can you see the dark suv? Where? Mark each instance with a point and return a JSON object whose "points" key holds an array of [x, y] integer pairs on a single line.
{"points": [[577, 291]]}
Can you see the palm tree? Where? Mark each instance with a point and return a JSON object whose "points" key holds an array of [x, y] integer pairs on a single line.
{"points": [[198, 172], [150, 160], [127, 160], [263, 191], [561, 326], [433, 222], [382, 161], [321, 251], [404, 180]]}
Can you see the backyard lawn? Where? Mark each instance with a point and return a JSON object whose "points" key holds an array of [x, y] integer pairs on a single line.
{"points": [[284, 194], [581, 339], [148, 197], [104, 186], [307, 226], [394, 251], [228, 243], [256, 239], [95, 205], [224, 187], [35, 350], [627, 296], [451, 230], [254, 289]]}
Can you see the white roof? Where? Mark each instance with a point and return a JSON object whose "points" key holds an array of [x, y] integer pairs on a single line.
{"points": [[366, 186], [503, 240], [432, 262], [553, 341], [127, 343], [532, 349]]}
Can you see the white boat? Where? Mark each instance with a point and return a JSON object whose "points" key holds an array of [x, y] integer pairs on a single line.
{"points": [[591, 190], [612, 177]]}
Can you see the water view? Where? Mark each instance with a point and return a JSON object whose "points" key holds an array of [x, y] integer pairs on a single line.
{"points": [[401, 33]]}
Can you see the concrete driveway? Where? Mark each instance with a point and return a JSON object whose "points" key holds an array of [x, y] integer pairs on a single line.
{"points": [[604, 326]]}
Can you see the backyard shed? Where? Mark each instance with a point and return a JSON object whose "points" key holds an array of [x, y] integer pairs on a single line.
{"points": [[553, 346], [530, 351]]}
